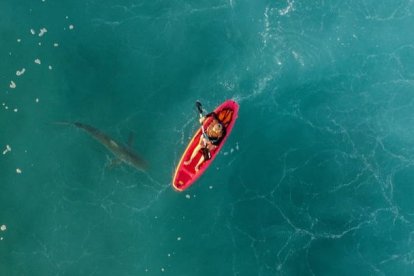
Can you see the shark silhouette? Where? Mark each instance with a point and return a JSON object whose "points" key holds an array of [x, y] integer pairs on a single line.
{"points": [[123, 153]]}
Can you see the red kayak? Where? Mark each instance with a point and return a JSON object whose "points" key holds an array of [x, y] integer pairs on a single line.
{"points": [[185, 175]]}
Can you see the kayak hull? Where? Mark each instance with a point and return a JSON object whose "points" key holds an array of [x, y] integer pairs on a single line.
{"points": [[185, 175]]}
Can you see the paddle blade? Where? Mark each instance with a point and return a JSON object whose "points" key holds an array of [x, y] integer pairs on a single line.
{"points": [[199, 108]]}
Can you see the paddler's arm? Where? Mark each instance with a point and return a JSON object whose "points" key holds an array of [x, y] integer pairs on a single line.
{"points": [[211, 114]]}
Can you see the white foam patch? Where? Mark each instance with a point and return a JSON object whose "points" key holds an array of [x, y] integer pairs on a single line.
{"points": [[19, 171], [55, 44], [288, 8], [33, 32], [3, 227], [178, 238], [12, 85], [50, 67], [7, 149], [21, 72], [42, 31], [71, 27], [298, 58], [19, 40], [37, 61], [37, 100]]}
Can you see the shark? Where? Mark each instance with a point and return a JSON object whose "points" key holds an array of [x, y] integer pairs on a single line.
{"points": [[123, 153]]}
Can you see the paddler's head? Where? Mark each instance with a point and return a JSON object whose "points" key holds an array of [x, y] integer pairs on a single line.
{"points": [[215, 129]]}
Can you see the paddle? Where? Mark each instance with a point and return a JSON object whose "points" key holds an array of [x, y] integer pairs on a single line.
{"points": [[199, 108], [205, 151], [200, 111]]}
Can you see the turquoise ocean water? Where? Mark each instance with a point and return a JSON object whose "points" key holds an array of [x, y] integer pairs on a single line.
{"points": [[317, 177]]}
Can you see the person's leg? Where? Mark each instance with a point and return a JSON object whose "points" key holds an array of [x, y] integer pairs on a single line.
{"points": [[195, 151], [197, 167]]}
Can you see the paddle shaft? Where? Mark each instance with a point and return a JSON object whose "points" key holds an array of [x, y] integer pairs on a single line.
{"points": [[200, 111]]}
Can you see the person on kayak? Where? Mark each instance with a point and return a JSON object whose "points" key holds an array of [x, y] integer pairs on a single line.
{"points": [[214, 134]]}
